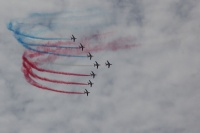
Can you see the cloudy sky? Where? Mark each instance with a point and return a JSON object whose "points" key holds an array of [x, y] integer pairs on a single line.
{"points": [[151, 88]]}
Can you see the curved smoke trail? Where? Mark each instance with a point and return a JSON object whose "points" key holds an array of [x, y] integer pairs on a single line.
{"points": [[29, 70], [50, 71], [46, 37]]}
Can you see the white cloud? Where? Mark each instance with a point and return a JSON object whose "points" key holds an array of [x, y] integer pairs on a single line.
{"points": [[153, 87]]}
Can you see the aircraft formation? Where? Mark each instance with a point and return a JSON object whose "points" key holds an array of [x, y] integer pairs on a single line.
{"points": [[45, 52], [96, 64]]}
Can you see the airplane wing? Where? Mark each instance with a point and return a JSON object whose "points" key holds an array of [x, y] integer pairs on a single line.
{"points": [[86, 92]]}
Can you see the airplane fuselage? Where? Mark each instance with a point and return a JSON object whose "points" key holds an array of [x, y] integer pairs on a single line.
{"points": [[81, 47], [73, 38], [86, 92], [89, 55], [92, 74], [96, 64], [108, 64]]}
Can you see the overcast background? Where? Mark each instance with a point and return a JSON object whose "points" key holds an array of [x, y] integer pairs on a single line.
{"points": [[152, 88]]}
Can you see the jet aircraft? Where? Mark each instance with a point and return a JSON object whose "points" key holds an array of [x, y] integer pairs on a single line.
{"points": [[90, 83], [81, 46], [92, 74], [96, 64], [89, 55], [86, 92], [108, 64], [73, 38]]}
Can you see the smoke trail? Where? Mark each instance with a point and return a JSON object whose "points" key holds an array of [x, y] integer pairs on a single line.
{"points": [[53, 46], [81, 65], [28, 69], [17, 32], [50, 71], [44, 52], [32, 82], [34, 32]]}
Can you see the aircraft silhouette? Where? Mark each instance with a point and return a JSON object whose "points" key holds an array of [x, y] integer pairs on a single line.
{"points": [[89, 55], [86, 92], [108, 64], [81, 46], [73, 38], [96, 64], [90, 83], [92, 74]]}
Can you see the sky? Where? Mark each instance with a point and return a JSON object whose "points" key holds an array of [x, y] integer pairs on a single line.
{"points": [[152, 87]]}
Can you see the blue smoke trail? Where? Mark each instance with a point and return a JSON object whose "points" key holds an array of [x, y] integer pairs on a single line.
{"points": [[44, 52], [17, 32], [57, 22], [44, 45], [76, 20], [52, 46]]}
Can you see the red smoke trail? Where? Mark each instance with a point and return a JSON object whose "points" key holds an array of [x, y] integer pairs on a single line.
{"points": [[40, 57], [50, 71], [32, 82], [32, 59], [113, 45], [29, 65], [29, 70]]}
